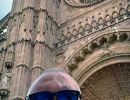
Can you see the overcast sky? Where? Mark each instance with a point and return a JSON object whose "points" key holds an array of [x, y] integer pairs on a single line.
{"points": [[5, 7]]}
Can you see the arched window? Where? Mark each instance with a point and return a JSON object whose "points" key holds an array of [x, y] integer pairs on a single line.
{"points": [[69, 34], [100, 20], [87, 27], [90, 1], [107, 17], [74, 32], [122, 11], [94, 24], [80, 30]]}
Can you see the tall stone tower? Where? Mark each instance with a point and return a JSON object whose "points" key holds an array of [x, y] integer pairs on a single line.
{"points": [[28, 48], [90, 39]]}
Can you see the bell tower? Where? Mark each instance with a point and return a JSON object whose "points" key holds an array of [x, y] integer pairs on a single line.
{"points": [[32, 28]]}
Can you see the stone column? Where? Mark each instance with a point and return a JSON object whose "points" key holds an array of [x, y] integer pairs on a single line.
{"points": [[26, 26], [38, 60], [20, 82], [21, 70], [23, 52], [39, 48]]}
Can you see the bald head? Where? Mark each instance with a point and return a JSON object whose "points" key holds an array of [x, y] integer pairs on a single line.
{"points": [[53, 80]]}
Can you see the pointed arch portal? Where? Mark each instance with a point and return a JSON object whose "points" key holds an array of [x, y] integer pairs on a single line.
{"points": [[102, 67], [109, 83]]}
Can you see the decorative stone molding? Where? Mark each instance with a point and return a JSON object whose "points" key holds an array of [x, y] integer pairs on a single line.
{"points": [[4, 92], [23, 65], [101, 63], [98, 36], [97, 43], [37, 11], [40, 38], [82, 3], [108, 21], [38, 67], [59, 59], [8, 65], [25, 33]]}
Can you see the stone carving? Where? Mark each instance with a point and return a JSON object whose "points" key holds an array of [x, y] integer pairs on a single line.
{"points": [[60, 59], [70, 50], [82, 3], [107, 51], [5, 80], [108, 22]]}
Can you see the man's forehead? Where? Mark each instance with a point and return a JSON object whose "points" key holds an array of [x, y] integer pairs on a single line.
{"points": [[54, 75], [52, 86], [55, 78]]}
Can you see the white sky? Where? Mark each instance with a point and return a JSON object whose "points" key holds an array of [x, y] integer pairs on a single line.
{"points": [[5, 7]]}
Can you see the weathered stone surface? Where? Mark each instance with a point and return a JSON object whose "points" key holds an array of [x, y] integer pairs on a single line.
{"points": [[90, 39]]}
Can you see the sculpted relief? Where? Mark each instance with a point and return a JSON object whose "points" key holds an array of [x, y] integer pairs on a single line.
{"points": [[82, 3], [4, 84], [69, 51]]}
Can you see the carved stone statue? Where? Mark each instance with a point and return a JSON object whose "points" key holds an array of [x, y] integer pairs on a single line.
{"points": [[5, 80]]}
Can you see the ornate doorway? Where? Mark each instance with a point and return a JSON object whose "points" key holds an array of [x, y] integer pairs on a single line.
{"points": [[109, 83]]}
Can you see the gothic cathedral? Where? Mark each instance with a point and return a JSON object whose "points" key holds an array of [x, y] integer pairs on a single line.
{"points": [[89, 39]]}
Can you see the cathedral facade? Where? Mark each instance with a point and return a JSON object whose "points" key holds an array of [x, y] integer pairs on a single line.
{"points": [[89, 39]]}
